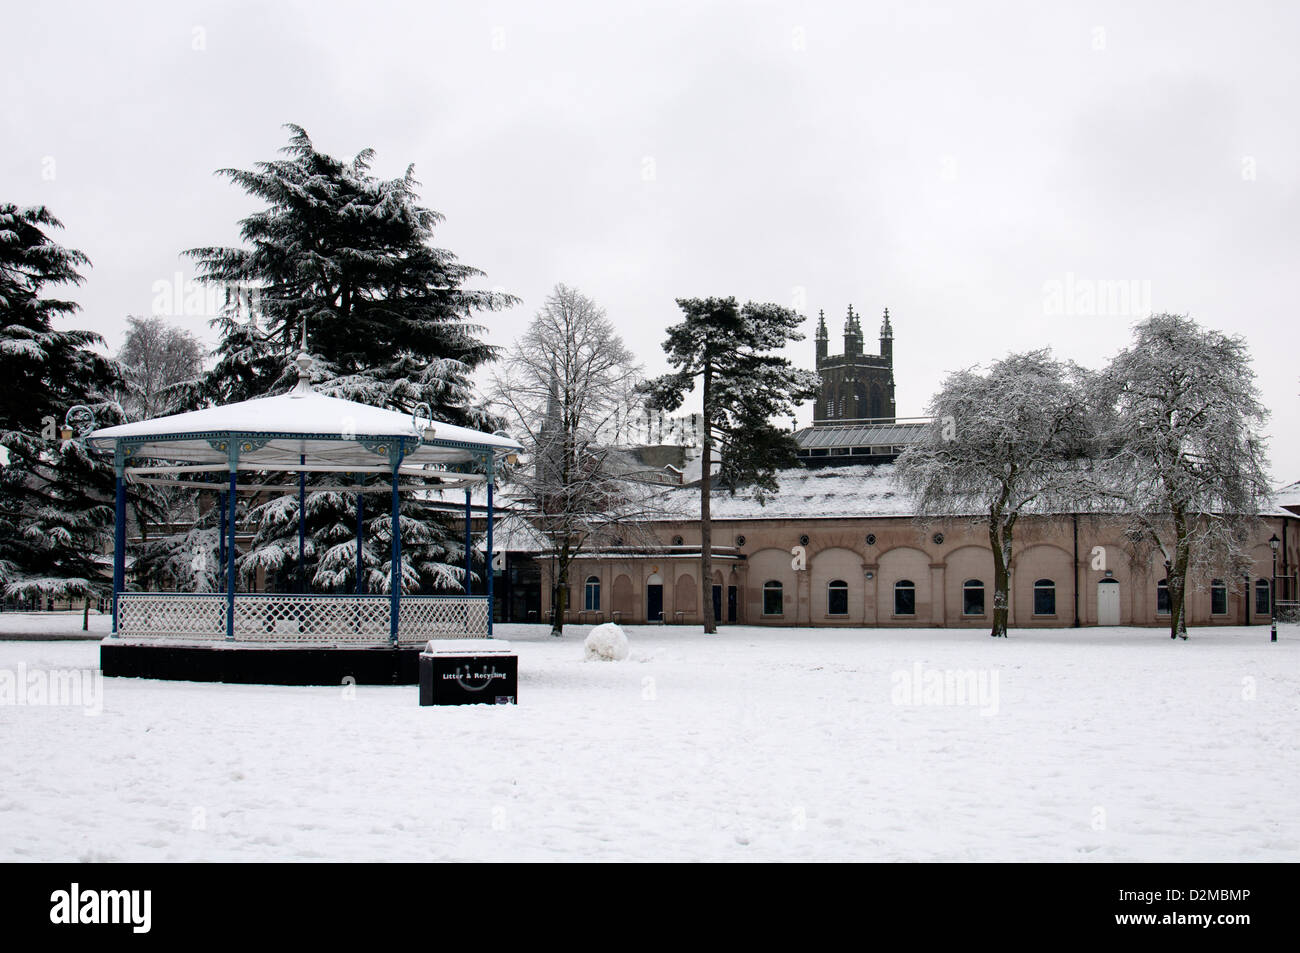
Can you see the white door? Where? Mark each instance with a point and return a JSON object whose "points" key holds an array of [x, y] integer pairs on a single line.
{"points": [[1108, 602]]}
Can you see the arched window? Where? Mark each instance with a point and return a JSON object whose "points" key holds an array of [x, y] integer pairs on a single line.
{"points": [[1162, 598], [904, 597], [837, 597], [1044, 597], [1218, 597], [773, 598], [591, 594], [1263, 603], [972, 597]]}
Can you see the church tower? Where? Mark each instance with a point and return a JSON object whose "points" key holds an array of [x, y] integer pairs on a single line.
{"points": [[852, 335], [856, 387]]}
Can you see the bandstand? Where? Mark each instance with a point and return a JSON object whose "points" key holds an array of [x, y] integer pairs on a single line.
{"points": [[302, 637]]}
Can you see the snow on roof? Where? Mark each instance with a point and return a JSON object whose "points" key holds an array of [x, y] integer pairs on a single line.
{"points": [[862, 491], [693, 472], [828, 492], [517, 536], [1287, 499], [858, 491], [326, 429]]}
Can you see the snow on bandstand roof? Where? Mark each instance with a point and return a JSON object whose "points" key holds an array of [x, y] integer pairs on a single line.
{"points": [[275, 432]]}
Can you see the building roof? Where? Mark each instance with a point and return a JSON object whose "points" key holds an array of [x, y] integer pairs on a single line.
{"points": [[1287, 499], [866, 433], [831, 493], [862, 490]]}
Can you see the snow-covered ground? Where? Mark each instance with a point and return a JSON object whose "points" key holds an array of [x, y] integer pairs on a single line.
{"points": [[756, 744], [54, 625]]}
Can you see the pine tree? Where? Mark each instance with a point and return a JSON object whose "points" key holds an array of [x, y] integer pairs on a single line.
{"points": [[729, 350], [56, 501], [388, 321]]}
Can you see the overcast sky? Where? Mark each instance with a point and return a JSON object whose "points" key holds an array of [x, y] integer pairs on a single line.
{"points": [[980, 169]]}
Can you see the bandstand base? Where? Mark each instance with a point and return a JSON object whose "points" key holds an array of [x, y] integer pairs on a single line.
{"points": [[263, 664]]}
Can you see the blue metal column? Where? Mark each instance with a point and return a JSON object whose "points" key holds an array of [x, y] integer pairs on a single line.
{"points": [[221, 538], [302, 524], [468, 588], [490, 555], [231, 502], [361, 532], [119, 531], [395, 578]]}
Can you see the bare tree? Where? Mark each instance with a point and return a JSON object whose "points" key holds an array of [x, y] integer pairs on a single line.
{"points": [[1002, 444], [564, 388], [1184, 418], [156, 356]]}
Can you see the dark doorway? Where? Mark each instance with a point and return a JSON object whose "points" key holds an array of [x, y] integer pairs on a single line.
{"points": [[731, 603], [717, 603], [522, 599], [654, 603]]}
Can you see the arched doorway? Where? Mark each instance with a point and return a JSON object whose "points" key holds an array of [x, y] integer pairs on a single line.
{"points": [[686, 594], [623, 603], [1108, 602], [654, 598]]}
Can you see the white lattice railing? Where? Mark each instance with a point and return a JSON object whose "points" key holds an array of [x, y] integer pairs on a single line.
{"points": [[300, 619], [454, 617], [161, 615]]}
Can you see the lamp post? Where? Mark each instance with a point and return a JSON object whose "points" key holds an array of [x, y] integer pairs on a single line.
{"points": [[1246, 576], [1272, 592]]}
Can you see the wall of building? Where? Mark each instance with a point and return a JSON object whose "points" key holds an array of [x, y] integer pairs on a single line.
{"points": [[938, 561]]}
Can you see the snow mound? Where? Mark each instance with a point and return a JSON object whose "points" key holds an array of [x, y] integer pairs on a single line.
{"points": [[606, 642]]}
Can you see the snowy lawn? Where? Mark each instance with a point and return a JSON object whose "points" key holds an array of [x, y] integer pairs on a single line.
{"points": [[756, 744], [53, 625]]}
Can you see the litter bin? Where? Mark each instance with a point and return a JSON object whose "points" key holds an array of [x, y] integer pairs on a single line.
{"points": [[468, 672]]}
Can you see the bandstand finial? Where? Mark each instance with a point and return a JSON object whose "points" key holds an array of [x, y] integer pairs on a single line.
{"points": [[303, 360]]}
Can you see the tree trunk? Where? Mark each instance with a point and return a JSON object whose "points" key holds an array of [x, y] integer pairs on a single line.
{"points": [[560, 596], [1000, 542], [706, 526], [1177, 578]]}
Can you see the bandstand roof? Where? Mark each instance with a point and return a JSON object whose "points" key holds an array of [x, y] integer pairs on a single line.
{"points": [[275, 433]]}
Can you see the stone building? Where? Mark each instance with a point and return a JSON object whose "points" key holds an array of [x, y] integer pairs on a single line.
{"points": [[839, 547]]}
